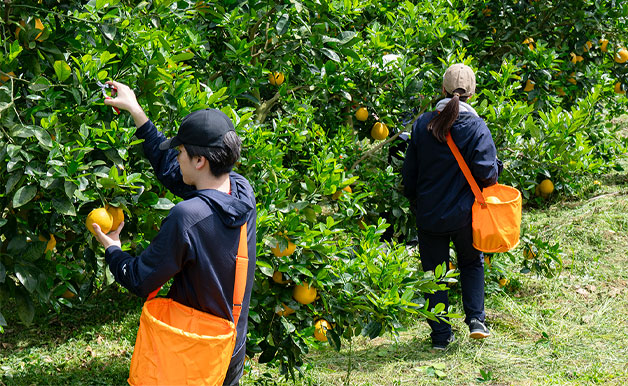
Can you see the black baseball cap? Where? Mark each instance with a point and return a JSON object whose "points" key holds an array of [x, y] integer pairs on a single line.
{"points": [[201, 128]]}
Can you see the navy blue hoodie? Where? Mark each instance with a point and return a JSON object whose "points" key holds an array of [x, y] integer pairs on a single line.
{"points": [[196, 244], [432, 179]]}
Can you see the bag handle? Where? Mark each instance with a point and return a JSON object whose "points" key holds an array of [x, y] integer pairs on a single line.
{"points": [[241, 273], [466, 171]]}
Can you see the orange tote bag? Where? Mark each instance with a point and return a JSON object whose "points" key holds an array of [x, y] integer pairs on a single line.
{"points": [[496, 224], [179, 345]]}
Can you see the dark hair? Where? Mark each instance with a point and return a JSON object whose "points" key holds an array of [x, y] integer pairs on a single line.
{"points": [[442, 122], [221, 159]]}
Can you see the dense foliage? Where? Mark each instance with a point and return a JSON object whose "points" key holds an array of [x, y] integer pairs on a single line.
{"points": [[64, 153]]}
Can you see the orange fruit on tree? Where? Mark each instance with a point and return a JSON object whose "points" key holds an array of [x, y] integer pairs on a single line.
{"points": [[101, 217], [621, 56], [38, 26], [546, 187], [285, 310], [117, 214], [340, 192], [304, 293], [320, 330], [278, 278], [587, 46], [619, 89], [4, 78], [362, 114], [603, 44], [52, 242], [379, 131], [276, 78], [289, 250]]}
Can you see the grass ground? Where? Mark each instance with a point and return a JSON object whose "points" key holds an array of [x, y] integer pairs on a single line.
{"points": [[566, 330]]}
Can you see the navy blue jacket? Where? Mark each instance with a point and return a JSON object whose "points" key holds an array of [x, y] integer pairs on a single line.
{"points": [[196, 244], [432, 179]]}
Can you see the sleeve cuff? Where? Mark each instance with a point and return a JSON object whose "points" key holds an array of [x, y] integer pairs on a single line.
{"points": [[109, 251]]}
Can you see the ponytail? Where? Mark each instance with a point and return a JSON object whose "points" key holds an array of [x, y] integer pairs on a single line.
{"points": [[441, 124]]}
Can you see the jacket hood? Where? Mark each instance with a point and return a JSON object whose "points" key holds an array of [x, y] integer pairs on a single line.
{"points": [[233, 209]]}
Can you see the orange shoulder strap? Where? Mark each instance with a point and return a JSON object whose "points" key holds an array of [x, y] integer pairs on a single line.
{"points": [[242, 267], [465, 170]]}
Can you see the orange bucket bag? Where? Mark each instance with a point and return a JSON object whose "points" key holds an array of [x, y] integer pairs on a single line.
{"points": [[179, 345], [496, 211]]}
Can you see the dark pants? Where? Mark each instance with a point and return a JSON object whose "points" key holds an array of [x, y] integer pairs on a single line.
{"points": [[434, 250], [233, 374]]}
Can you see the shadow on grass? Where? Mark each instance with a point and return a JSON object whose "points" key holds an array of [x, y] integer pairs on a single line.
{"points": [[88, 344], [96, 371], [379, 353]]}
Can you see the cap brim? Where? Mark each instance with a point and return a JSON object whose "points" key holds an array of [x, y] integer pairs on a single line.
{"points": [[169, 143]]}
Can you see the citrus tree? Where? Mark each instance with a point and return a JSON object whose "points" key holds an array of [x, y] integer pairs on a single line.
{"points": [[319, 92]]}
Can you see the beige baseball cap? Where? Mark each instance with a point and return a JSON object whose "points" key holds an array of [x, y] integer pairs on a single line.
{"points": [[459, 76]]}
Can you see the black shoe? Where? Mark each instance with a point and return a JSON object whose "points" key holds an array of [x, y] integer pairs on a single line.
{"points": [[478, 330], [441, 346]]}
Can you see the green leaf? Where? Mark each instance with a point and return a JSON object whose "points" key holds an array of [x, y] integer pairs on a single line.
{"points": [[15, 50], [163, 204], [330, 54], [64, 206], [62, 70], [182, 57], [25, 307], [24, 195], [283, 24], [26, 277], [40, 84]]}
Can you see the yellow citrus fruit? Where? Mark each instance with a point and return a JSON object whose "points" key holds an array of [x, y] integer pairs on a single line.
{"points": [[4, 78], [576, 58], [528, 41], [493, 200], [503, 282], [379, 131], [320, 330], [276, 78], [619, 89], [621, 56], [603, 44], [285, 311], [529, 86], [116, 214], [362, 114], [304, 293], [340, 192], [528, 253], [278, 278], [587, 45], [38, 25], [289, 250], [101, 217], [546, 187], [52, 242], [596, 182]]}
